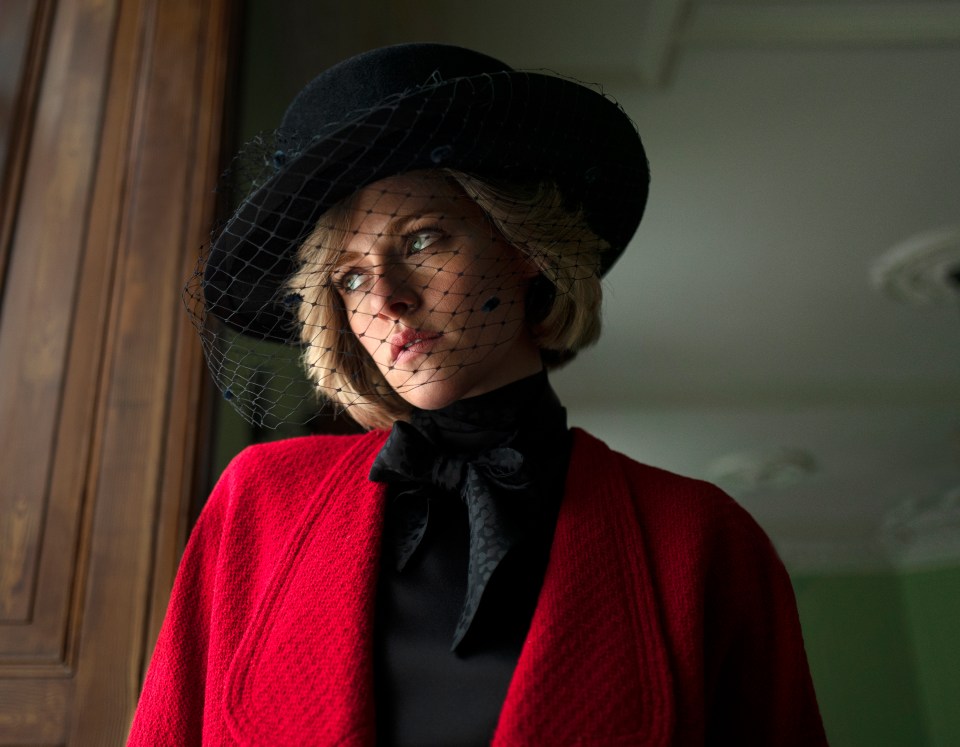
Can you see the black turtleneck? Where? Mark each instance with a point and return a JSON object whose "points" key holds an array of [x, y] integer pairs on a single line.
{"points": [[426, 694]]}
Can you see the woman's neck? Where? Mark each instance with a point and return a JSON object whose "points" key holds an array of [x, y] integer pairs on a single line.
{"points": [[520, 407]]}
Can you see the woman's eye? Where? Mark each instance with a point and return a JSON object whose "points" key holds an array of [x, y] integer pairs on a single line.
{"points": [[351, 281], [422, 239]]}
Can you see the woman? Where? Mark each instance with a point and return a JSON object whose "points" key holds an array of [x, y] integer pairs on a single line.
{"points": [[433, 236]]}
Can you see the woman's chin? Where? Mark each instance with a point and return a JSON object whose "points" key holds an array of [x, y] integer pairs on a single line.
{"points": [[429, 393]]}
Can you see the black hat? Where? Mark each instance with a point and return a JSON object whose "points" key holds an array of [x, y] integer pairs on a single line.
{"points": [[409, 107]]}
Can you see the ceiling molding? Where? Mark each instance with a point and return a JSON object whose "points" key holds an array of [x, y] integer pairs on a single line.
{"points": [[916, 535], [924, 532], [923, 270], [858, 24]]}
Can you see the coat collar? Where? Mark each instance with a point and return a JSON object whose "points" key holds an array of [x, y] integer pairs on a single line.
{"points": [[593, 665]]}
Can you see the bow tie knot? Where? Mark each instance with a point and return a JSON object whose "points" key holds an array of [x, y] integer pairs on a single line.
{"points": [[447, 472], [409, 459]]}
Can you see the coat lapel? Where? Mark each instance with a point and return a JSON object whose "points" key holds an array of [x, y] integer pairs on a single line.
{"points": [[593, 669], [303, 671]]}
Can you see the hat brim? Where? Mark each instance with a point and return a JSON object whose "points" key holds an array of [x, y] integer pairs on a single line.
{"points": [[508, 125]]}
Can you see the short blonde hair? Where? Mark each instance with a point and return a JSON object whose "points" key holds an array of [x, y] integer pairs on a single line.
{"points": [[532, 218]]}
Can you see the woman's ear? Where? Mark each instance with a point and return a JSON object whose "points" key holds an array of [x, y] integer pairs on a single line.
{"points": [[541, 294]]}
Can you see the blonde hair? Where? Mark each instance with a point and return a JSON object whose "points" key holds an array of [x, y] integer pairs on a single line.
{"points": [[532, 218]]}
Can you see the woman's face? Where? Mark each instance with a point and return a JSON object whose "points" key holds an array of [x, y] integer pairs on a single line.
{"points": [[433, 293]]}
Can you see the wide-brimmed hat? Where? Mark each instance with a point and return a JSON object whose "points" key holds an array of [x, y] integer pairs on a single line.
{"points": [[410, 107]]}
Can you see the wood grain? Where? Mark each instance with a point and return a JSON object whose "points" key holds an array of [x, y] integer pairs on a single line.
{"points": [[100, 374], [36, 330], [24, 35]]}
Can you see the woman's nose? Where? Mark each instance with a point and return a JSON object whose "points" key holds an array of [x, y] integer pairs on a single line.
{"points": [[393, 294]]}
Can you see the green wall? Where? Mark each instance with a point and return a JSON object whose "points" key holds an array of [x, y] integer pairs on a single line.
{"points": [[885, 655], [932, 605]]}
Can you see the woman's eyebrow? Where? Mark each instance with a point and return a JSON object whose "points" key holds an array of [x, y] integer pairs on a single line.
{"points": [[402, 224], [399, 225], [348, 258]]}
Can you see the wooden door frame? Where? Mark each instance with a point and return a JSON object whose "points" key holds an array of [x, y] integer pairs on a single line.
{"points": [[116, 157]]}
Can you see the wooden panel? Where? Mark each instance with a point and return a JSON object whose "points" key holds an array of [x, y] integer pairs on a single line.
{"points": [[16, 24], [33, 713], [144, 459], [36, 329], [100, 371], [184, 474], [24, 29], [18, 21]]}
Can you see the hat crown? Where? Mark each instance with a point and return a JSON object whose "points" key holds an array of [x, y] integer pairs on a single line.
{"points": [[372, 78]]}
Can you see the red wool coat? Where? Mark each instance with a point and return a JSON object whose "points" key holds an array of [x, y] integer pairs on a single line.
{"points": [[665, 616]]}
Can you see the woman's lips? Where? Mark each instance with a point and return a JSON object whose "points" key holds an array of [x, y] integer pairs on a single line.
{"points": [[411, 342]]}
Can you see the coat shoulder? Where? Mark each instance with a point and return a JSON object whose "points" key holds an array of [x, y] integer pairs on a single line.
{"points": [[277, 479], [666, 500], [289, 462]]}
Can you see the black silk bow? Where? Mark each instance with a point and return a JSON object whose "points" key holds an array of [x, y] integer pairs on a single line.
{"points": [[488, 481]]}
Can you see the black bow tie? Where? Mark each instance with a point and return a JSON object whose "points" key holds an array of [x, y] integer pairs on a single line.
{"points": [[491, 484]]}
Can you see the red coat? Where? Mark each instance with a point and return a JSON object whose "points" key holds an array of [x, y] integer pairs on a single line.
{"points": [[665, 618]]}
